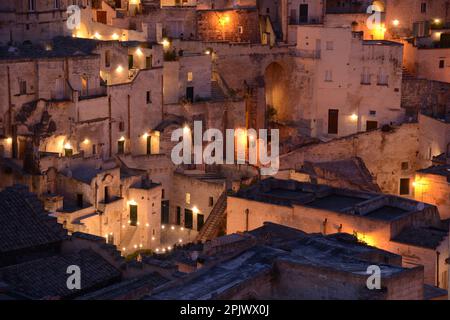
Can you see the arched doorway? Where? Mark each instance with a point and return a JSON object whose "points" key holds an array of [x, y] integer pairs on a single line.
{"points": [[276, 94]]}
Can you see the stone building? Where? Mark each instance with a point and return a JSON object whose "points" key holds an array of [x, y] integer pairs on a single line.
{"points": [[379, 220], [277, 262]]}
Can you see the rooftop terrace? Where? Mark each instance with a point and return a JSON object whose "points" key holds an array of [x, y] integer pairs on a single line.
{"points": [[293, 193]]}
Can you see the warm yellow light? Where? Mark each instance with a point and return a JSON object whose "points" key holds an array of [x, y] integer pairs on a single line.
{"points": [[97, 35], [354, 117], [163, 226], [122, 138], [67, 145], [166, 43], [124, 249], [119, 69], [132, 203], [172, 227], [396, 23], [437, 21], [139, 51], [145, 135], [9, 140], [86, 141], [180, 240], [207, 52], [195, 210], [186, 130], [115, 36]]}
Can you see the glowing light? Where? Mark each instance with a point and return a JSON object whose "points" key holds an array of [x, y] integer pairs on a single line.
{"points": [[153, 238], [132, 203], [437, 21], [145, 135], [354, 117], [396, 23], [147, 225], [122, 138], [165, 43], [9, 140], [139, 51], [67, 145], [195, 210], [119, 69], [163, 227], [207, 52], [157, 250], [124, 249], [414, 184], [140, 245], [97, 35], [173, 228], [123, 226], [180, 240], [135, 246], [86, 141], [181, 228], [164, 250], [169, 248], [186, 130], [115, 36]]}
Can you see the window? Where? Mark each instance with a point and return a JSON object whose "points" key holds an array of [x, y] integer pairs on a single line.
{"points": [[328, 76], [330, 45], [372, 113], [211, 201], [56, 4], [31, 5], [365, 76], [333, 121], [405, 165], [188, 219], [423, 7], [163, 194], [121, 126], [371, 125], [120, 146], [188, 198], [383, 78], [110, 238], [200, 221], [149, 97], [107, 59], [133, 215], [405, 186], [148, 62], [79, 200], [94, 149], [130, 61], [441, 64], [190, 77], [178, 216], [165, 212], [22, 87], [240, 29]]}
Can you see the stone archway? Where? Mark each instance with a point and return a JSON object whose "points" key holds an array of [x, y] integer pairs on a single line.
{"points": [[275, 79]]}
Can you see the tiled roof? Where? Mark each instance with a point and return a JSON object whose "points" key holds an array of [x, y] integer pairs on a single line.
{"points": [[46, 278], [24, 224]]}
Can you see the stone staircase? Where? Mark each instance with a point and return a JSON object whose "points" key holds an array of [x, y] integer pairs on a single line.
{"points": [[407, 75], [215, 220], [217, 93]]}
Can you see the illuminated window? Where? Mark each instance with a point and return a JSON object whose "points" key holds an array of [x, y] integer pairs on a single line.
{"points": [[190, 77], [188, 198]]}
